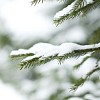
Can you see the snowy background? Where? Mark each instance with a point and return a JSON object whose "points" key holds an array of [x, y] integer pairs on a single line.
{"points": [[22, 26]]}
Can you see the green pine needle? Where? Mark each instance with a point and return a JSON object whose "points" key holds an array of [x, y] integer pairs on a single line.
{"points": [[81, 81], [37, 61], [78, 10], [36, 1]]}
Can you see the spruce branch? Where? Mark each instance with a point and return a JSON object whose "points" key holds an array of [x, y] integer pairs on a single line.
{"points": [[79, 9], [79, 4], [23, 53], [36, 1], [95, 36], [82, 80], [79, 64], [86, 57], [37, 56]]}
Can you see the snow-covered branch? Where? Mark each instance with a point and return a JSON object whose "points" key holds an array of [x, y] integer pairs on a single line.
{"points": [[75, 9], [42, 53]]}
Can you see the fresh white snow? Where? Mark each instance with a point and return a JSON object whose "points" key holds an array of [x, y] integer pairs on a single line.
{"points": [[45, 50], [65, 10], [69, 8], [90, 1], [17, 25]]}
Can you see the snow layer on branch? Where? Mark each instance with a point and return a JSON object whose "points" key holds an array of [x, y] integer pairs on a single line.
{"points": [[34, 49], [19, 52], [90, 1], [65, 10], [69, 8], [44, 50]]}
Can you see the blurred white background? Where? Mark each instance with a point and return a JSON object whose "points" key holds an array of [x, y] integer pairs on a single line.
{"points": [[25, 25]]}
